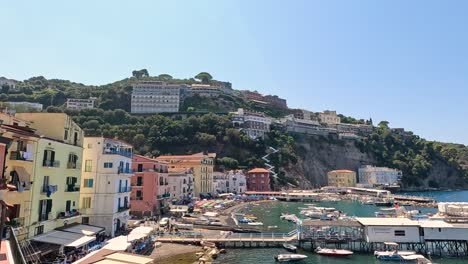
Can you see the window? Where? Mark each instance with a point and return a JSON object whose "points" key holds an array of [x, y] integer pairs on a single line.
{"points": [[88, 183], [45, 207], [139, 195], [86, 202], [399, 232], [85, 220], [88, 165], [65, 137], [49, 158], [72, 160], [139, 181], [39, 230], [90, 146], [140, 167], [45, 183], [161, 181], [108, 165]]}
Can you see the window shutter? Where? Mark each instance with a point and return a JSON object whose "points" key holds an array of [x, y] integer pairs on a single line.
{"points": [[49, 206]]}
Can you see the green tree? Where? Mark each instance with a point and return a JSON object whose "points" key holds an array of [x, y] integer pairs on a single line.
{"points": [[204, 77], [165, 77]]}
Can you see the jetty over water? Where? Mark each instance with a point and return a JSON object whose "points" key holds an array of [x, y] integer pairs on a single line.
{"points": [[418, 199]]}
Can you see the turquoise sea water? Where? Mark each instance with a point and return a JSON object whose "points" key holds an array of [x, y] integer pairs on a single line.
{"points": [[269, 214]]}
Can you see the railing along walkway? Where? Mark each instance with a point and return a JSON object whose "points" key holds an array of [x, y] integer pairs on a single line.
{"points": [[235, 237]]}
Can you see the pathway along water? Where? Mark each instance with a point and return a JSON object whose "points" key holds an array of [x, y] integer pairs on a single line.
{"points": [[269, 213]]}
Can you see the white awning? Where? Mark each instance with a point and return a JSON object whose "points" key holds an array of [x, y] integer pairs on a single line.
{"points": [[84, 229], [65, 238], [119, 243]]}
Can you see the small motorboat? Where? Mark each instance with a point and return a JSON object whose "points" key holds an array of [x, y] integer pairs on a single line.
{"points": [[244, 221], [272, 227], [289, 257], [392, 252], [333, 252], [290, 247], [255, 223]]}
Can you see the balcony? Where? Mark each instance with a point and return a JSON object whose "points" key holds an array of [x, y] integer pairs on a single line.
{"points": [[16, 222], [123, 208], [72, 188], [51, 163], [73, 165], [138, 198], [125, 189], [137, 184], [124, 171], [67, 214], [45, 217], [121, 152], [20, 155]]}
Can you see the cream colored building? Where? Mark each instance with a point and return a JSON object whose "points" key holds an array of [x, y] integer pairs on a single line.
{"points": [[342, 178], [105, 184], [201, 165], [329, 117], [45, 169]]}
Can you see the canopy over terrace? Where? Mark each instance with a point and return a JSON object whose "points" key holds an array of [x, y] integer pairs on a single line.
{"points": [[66, 239], [83, 229], [331, 230]]}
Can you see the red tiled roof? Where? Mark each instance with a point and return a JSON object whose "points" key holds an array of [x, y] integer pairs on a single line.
{"points": [[258, 170]]}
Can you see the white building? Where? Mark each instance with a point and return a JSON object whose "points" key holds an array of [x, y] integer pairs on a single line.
{"points": [[399, 230], [8, 82], [181, 183], [205, 90], [255, 125], [78, 104], [329, 117], [233, 181], [105, 183], [379, 175], [155, 97], [24, 106]]}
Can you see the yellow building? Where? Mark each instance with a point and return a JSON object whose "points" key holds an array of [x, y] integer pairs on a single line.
{"points": [[202, 166], [45, 166], [342, 178]]}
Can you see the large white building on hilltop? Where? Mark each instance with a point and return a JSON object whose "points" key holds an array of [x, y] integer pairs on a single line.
{"points": [[155, 97], [105, 183], [378, 175], [255, 125]]}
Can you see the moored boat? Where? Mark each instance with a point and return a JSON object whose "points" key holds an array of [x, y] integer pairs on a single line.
{"points": [[255, 223], [333, 252], [272, 227], [290, 247], [290, 257]]}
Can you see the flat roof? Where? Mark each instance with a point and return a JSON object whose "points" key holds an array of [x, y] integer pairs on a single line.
{"points": [[128, 258], [311, 222], [435, 224], [64, 238], [394, 221], [84, 229]]}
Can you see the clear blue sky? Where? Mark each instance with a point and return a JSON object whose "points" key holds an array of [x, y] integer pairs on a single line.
{"points": [[401, 61]]}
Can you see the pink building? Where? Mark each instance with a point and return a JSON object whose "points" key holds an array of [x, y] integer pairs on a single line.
{"points": [[150, 187]]}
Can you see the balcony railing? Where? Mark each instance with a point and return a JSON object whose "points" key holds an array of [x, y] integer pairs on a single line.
{"points": [[125, 189], [45, 217], [123, 208], [64, 215], [51, 163], [73, 165], [124, 170], [72, 188], [136, 198], [16, 222], [19, 155], [111, 151]]}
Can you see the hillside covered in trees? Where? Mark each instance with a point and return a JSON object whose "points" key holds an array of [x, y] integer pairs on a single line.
{"points": [[206, 127]]}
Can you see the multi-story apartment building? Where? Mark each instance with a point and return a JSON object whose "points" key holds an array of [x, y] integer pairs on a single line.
{"points": [[201, 165], [205, 90], [8, 82], [255, 125], [77, 104], [105, 185], [150, 187], [233, 181], [329, 117], [258, 180], [181, 183], [272, 100], [342, 178], [155, 97], [43, 163], [378, 175], [304, 114]]}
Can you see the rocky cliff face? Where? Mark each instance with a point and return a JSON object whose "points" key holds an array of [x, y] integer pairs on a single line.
{"points": [[318, 155]]}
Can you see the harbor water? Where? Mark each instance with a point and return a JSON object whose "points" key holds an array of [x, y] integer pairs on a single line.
{"points": [[269, 214]]}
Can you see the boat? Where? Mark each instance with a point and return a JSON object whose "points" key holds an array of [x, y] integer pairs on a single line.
{"points": [[416, 258], [290, 257], [290, 247], [392, 252], [244, 221], [239, 214], [333, 252], [387, 212], [255, 223], [272, 227]]}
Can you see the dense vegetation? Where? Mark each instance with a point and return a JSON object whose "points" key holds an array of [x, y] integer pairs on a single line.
{"points": [[414, 156]]}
